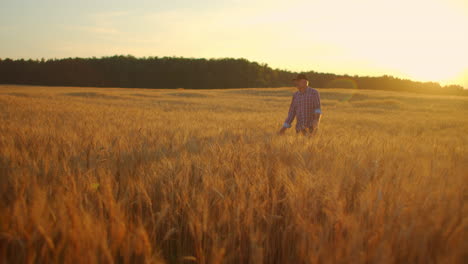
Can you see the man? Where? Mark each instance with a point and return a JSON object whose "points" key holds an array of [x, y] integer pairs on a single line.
{"points": [[305, 107]]}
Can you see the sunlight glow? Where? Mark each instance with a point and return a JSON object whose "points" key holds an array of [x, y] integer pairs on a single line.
{"points": [[423, 40]]}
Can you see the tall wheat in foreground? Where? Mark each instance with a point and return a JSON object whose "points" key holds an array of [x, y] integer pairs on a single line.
{"points": [[92, 175]]}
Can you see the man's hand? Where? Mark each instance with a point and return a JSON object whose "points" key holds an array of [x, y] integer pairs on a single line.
{"points": [[282, 130], [315, 125]]}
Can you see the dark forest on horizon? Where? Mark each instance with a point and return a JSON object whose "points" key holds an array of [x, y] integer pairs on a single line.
{"points": [[190, 73]]}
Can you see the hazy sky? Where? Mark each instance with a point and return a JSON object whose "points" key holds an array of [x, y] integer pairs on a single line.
{"points": [[419, 39]]}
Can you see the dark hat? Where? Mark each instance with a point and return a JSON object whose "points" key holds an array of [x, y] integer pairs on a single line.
{"points": [[300, 77]]}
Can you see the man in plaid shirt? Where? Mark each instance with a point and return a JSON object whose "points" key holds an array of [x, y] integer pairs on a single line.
{"points": [[305, 107]]}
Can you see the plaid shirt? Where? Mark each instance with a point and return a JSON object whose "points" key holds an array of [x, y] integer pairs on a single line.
{"points": [[306, 107]]}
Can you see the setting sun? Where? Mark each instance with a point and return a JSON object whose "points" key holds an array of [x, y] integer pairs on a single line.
{"points": [[423, 40]]}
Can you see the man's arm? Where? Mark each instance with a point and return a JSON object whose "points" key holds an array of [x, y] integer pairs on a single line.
{"points": [[317, 109], [290, 118]]}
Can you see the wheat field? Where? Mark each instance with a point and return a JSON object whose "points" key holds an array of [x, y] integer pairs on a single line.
{"points": [[92, 175]]}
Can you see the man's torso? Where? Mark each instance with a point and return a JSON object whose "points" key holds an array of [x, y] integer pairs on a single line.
{"points": [[305, 104]]}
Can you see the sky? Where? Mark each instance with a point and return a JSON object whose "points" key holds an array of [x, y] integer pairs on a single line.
{"points": [[424, 40]]}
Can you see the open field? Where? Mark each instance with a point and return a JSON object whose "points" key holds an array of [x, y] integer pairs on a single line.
{"points": [[91, 175]]}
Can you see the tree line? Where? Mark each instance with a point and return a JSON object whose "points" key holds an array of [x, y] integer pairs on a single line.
{"points": [[176, 72]]}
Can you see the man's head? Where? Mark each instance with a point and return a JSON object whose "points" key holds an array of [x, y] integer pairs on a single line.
{"points": [[301, 81]]}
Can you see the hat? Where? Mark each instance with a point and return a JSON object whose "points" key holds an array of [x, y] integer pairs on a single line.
{"points": [[300, 77]]}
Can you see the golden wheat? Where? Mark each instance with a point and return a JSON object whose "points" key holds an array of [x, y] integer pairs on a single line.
{"points": [[92, 175]]}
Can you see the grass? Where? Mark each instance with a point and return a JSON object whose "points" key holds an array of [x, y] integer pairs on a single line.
{"points": [[92, 175]]}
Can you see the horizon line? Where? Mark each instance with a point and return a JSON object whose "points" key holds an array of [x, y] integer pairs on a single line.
{"points": [[238, 58]]}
